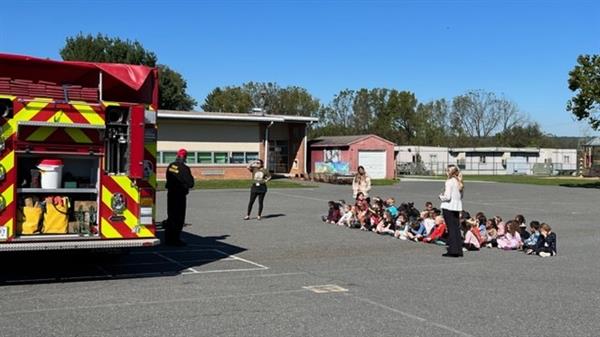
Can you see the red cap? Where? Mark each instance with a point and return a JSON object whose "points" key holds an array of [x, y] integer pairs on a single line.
{"points": [[51, 162], [182, 153]]}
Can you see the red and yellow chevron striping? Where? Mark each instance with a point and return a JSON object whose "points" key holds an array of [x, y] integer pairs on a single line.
{"points": [[128, 226]]}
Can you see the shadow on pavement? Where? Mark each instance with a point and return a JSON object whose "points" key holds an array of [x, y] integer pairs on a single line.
{"points": [[269, 216], [201, 255], [595, 184]]}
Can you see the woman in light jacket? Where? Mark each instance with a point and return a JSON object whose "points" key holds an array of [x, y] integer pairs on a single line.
{"points": [[451, 207], [361, 183]]}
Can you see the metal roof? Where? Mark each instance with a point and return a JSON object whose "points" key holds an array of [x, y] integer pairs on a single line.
{"points": [[495, 149], [331, 141], [593, 142], [201, 115]]}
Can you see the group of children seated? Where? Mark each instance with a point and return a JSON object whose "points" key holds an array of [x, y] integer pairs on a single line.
{"points": [[406, 222]]}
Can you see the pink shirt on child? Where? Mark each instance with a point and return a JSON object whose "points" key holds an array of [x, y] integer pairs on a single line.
{"points": [[509, 241], [470, 238]]}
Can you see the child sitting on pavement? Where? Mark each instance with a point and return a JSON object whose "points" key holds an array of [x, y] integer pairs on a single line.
{"points": [[438, 233], [401, 226], [546, 245], [333, 215], [362, 210], [416, 230], [390, 206], [512, 239], [375, 214], [348, 219], [428, 220], [520, 219], [471, 241], [387, 224], [531, 241], [491, 233]]}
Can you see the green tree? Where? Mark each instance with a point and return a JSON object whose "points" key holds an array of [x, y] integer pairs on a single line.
{"points": [[173, 90], [405, 121], [433, 121], [530, 135], [101, 48], [363, 117], [228, 99], [274, 99], [584, 80]]}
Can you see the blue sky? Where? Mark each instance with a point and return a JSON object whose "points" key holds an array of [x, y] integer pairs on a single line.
{"points": [[438, 49]]}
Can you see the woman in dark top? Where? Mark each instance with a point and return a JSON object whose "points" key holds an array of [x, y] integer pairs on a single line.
{"points": [[260, 177]]}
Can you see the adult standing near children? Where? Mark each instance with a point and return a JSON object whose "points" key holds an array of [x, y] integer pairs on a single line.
{"points": [[179, 182], [260, 177], [361, 183], [451, 207]]}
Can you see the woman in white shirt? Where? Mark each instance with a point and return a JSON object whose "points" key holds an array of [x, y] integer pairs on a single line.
{"points": [[361, 183], [451, 207]]}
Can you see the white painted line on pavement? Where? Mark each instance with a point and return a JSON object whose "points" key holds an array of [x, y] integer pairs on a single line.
{"points": [[420, 319], [326, 288], [220, 271], [243, 260], [175, 262]]}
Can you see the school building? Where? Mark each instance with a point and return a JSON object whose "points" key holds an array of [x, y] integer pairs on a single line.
{"points": [[220, 145]]}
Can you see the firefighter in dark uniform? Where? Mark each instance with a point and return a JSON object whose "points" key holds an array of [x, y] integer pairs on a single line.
{"points": [[179, 182]]}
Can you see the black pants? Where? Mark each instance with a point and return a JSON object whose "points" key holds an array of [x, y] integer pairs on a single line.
{"points": [[454, 238], [176, 206], [261, 198]]}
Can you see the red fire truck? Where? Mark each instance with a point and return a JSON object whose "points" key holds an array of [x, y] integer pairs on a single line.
{"points": [[77, 154]]}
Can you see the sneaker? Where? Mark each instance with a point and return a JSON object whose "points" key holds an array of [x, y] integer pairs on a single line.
{"points": [[247, 217], [529, 251], [465, 249], [489, 245], [545, 254], [416, 239], [403, 238]]}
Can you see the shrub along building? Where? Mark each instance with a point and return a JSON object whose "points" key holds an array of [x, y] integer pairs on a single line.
{"points": [[220, 145]]}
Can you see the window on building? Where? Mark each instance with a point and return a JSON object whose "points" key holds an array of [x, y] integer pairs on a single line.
{"points": [[237, 158], [461, 163], [221, 157], [210, 157], [205, 158], [168, 157], [192, 158], [566, 159], [433, 158], [251, 156], [482, 159]]}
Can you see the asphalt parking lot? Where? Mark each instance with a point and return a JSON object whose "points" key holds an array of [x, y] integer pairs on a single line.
{"points": [[291, 275]]}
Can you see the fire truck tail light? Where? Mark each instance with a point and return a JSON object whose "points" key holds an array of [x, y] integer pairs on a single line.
{"points": [[146, 202], [146, 211]]}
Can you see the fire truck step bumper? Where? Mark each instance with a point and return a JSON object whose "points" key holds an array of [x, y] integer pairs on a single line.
{"points": [[67, 245]]}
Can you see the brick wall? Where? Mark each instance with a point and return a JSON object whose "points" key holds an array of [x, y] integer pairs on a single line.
{"points": [[213, 172]]}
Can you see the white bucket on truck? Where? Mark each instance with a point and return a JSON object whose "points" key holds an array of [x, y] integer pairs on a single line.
{"points": [[51, 173]]}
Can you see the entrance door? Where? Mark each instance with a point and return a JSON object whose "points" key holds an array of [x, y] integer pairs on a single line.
{"points": [[279, 156], [374, 163]]}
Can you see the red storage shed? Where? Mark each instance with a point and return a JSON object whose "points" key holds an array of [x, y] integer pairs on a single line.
{"points": [[343, 155]]}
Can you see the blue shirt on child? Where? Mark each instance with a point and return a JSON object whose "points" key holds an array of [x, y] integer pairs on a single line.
{"points": [[393, 211], [419, 231]]}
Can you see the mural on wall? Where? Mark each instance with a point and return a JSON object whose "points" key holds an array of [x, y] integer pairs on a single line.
{"points": [[333, 163]]}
